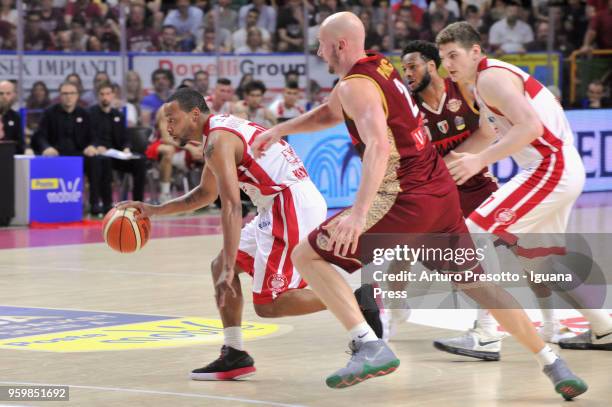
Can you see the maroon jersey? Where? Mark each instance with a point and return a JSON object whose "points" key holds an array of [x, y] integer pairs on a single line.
{"points": [[414, 165], [453, 122]]}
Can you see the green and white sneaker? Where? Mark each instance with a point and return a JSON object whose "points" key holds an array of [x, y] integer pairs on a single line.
{"points": [[566, 383], [368, 360]]}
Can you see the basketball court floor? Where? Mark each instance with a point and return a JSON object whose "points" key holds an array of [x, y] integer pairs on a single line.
{"points": [[126, 330]]}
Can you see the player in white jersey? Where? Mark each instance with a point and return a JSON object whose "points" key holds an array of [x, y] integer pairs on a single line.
{"points": [[533, 130], [289, 206]]}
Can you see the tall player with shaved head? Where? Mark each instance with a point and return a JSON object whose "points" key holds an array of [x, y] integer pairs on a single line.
{"points": [[405, 188]]}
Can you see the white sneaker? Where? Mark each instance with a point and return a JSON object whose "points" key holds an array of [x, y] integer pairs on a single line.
{"points": [[554, 332], [475, 343], [396, 318], [165, 197], [588, 340]]}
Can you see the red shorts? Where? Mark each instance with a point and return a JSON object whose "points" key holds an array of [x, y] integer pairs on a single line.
{"points": [[406, 214], [152, 153]]}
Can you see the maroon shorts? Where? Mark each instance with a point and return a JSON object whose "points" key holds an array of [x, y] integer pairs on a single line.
{"points": [[472, 196], [405, 214]]}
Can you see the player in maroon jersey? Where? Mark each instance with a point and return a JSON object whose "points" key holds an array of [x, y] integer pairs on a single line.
{"points": [[405, 188]]}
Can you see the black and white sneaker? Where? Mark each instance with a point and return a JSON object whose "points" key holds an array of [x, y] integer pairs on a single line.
{"points": [[232, 364]]}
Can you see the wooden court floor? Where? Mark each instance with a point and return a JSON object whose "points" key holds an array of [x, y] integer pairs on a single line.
{"points": [[170, 278]]}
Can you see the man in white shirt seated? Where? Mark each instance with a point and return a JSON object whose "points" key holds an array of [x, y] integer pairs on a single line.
{"points": [[510, 34]]}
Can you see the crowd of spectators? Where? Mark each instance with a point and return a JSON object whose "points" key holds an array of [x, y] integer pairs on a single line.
{"points": [[63, 125], [257, 26]]}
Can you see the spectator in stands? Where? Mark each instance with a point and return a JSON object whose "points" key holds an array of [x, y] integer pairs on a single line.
{"points": [[267, 15], [93, 44], [134, 93], [575, 23], [255, 44], [169, 40], [239, 37], [251, 107], [8, 36], [11, 120], [437, 22], [219, 102], [79, 34], [140, 38], [510, 34], [84, 10], [209, 43], [36, 39], [448, 8], [226, 17], [51, 18], [110, 36], [202, 82], [187, 20], [377, 14], [63, 41], [65, 129], [595, 97], [541, 39], [289, 105], [8, 12], [240, 93], [35, 103], [599, 31], [402, 34], [109, 133], [373, 39], [289, 27], [224, 35], [472, 16], [315, 95], [90, 97], [163, 82]]}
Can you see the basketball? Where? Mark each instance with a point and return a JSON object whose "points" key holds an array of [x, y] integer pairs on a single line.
{"points": [[123, 232]]}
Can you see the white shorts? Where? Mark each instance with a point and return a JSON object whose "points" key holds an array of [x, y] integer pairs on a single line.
{"points": [[267, 241], [538, 199]]}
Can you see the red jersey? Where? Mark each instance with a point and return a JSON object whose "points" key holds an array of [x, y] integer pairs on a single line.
{"points": [[449, 125], [414, 165]]}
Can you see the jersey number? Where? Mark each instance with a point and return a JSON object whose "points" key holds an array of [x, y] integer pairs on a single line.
{"points": [[414, 109]]}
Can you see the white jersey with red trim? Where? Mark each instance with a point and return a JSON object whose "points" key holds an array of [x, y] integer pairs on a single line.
{"points": [[225, 107], [263, 178], [557, 131], [281, 111]]}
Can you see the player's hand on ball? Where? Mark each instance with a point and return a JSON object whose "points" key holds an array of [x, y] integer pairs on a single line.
{"points": [[464, 166], [264, 141], [144, 210], [344, 234]]}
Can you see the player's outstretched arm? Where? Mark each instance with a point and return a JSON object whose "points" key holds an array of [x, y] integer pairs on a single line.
{"points": [[326, 115], [482, 138], [361, 100], [199, 197]]}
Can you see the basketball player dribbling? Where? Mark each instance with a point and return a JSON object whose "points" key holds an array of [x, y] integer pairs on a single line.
{"points": [[533, 130], [289, 207], [405, 188]]}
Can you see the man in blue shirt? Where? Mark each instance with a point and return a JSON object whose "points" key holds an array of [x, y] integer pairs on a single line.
{"points": [[163, 82]]}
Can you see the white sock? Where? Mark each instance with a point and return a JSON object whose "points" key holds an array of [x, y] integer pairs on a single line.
{"points": [[232, 336], [362, 333], [546, 356], [548, 311], [600, 320], [486, 322], [165, 187]]}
